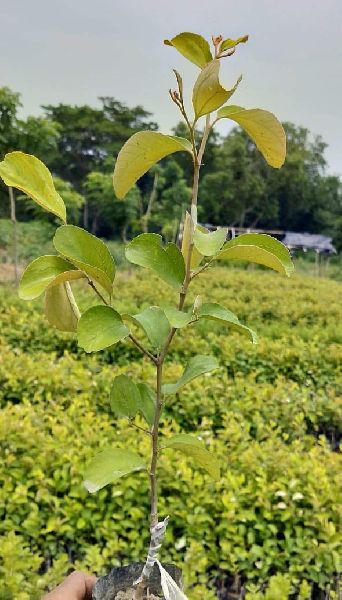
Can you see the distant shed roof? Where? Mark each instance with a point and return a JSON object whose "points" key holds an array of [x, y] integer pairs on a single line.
{"points": [[309, 241]]}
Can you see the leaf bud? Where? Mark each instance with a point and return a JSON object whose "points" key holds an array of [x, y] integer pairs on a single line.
{"points": [[217, 40], [197, 303]]}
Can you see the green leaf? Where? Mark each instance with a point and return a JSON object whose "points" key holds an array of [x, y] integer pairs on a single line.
{"points": [[198, 365], [110, 465], [59, 310], [147, 404], [124, 397], [193, 46], [264, 128], [155, 324], [227, 44], [140, 153], [208, 93], [29, 175], [100, 327], [188, 232], [86, 252], [127, 399], [146, 250], [219, 313], [177, 318], [261, 249], [209, 244], [44, 271], [193, 447]]}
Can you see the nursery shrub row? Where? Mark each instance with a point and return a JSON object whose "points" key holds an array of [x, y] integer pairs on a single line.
{"points": [[269, 526]]}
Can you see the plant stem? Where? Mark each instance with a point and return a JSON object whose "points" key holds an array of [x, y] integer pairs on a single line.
{"points": [[159, 361], [198, 161], [154, 458], [197, 166]]}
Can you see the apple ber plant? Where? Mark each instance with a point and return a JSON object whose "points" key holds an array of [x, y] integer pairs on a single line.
{"points": [[81, 255]]}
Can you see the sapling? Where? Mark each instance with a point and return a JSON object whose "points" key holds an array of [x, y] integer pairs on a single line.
{"points": [[83, 256]]}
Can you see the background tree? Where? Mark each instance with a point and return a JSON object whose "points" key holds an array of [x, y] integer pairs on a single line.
{"points": [[175, 197], [209, 160], [238, 189], [72, 199], [36, 134], [242, 190], [235, 190], [114, 215], [88, 136]]}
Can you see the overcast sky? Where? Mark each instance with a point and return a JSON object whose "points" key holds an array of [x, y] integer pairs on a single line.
{"points": [[73, 51]]}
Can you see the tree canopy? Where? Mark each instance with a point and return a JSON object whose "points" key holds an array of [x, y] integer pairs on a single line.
{"points": [[80, 143]]}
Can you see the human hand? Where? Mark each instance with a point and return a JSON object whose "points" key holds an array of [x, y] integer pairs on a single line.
{"points": [[78, 586]]}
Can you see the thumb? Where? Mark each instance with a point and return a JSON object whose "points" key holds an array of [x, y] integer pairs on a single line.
{"points": [[77, 586]]}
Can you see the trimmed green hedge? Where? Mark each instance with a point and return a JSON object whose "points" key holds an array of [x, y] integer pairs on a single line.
{"points": [[271, 414]]}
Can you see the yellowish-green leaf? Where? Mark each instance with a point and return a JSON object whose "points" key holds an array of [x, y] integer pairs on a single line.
{"points": [[44, 271], [154, 323], [264, 128], [59, 310], [193, 46], [100, 327], [208, 94], [86, 252], [146, 250], [258, 248], [198, 365], [177, 318], [110, 465], [140, 153], [29, 175], [193, 447], [209, 244], [216, 312], [228, 44]]}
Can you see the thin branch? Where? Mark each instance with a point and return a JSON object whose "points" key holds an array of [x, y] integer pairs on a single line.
{"points": [[190, 127], [131, 422], [131, 336], [203, 268], [143, 349], [102, 298], [166, 345], [178, 99]]}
